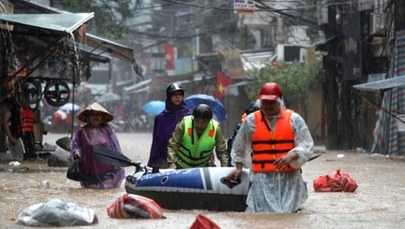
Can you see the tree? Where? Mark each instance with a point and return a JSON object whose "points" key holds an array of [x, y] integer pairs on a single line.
{"points": [[110, 16], [296, 81]]}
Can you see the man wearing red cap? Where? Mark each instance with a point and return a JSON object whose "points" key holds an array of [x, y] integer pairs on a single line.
{"points": [[274, 142]]}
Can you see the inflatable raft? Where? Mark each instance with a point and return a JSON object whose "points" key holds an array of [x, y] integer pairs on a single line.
{"points": [[194, 188]]}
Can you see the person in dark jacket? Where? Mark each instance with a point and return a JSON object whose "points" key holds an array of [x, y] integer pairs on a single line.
{"points": [[252, 108], [164, 124]]}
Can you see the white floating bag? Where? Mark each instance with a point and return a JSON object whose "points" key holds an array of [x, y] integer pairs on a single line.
{"points": [[56, 212], [17, 151]]}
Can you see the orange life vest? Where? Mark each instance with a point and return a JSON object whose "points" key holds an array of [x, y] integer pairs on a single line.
{"points": [[27, 120], [244, 116], [269, 145]]}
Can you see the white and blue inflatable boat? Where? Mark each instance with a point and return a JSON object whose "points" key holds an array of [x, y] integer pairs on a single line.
{"points": [[194, 188]]}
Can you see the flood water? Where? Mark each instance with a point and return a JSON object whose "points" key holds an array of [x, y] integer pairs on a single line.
{"points": [[379, 201]]}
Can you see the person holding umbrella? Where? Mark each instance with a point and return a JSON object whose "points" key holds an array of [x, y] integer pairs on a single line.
{"points": [[194, 140], [274, 142], [96, 131], [164, 124]]}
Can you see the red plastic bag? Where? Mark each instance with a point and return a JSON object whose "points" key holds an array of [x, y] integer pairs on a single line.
{"points": [[335, 183], [135, 206], [202, 222]]}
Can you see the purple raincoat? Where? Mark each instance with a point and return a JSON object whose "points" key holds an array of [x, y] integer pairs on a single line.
{"points": [[165, 122], [99, 175]]}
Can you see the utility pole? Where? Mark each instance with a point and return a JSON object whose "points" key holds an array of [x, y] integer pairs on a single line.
{"points": [[399, 14], [330, 82]]}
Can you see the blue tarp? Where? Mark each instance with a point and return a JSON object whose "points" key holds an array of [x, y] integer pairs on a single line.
{"points": [[389, 138]]}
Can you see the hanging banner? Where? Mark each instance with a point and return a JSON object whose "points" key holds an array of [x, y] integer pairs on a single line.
{"points": [[232, 65], [244, 6], [170, 53], [185, 66]]}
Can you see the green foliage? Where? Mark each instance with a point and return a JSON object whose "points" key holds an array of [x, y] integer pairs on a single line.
{"points": [[295, 80], [110, 16]]}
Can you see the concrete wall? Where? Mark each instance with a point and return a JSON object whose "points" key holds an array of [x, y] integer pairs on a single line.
{"points": [[314, 117]]}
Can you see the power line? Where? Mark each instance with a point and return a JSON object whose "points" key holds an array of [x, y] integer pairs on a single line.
{"points": [[186, 36]]}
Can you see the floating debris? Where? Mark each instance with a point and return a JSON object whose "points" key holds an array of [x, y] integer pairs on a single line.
{"points": [[44, 184], [14, 163], [14, 169]]}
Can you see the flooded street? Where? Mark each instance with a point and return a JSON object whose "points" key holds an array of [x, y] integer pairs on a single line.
{"points": [[379, 201]]}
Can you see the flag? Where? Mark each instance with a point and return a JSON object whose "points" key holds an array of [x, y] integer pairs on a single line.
{"points": [[222, 82], [170, 54]]}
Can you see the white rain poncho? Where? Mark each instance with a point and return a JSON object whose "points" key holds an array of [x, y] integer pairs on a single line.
{"points": [[274, 191]]}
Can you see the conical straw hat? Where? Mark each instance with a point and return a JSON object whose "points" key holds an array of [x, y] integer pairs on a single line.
{"points": [[83, 116]]}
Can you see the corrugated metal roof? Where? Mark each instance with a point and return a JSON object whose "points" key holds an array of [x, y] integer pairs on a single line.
{"points": [[137, 86], [119, 51], [102, 45], [398, 81], [256, 59], [56, 22], [102, 58]]}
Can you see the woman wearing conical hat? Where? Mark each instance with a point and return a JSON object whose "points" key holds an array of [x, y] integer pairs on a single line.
{"points": [[96, 131]]}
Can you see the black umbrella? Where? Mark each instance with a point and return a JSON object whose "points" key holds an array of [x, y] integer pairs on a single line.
{"points": [[217, 107], [64, 143], [111, 157]]}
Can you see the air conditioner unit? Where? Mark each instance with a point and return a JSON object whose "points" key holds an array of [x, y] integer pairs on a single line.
{"points": [[290, 53], [365, 4], [377, 23]]}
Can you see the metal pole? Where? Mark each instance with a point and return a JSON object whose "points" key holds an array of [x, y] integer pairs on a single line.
{"points": [[399, 10], [4, 64]]}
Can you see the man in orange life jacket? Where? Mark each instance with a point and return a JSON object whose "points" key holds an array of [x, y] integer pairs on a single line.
{"points": [[274, 142], [194, 139], [18, 122]]}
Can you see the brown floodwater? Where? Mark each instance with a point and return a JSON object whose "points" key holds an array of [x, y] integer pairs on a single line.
{"points": [[379, 201]]}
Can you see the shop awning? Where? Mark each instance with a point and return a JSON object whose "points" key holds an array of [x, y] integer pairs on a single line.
{"points": [[99, 45], [56, 24], [88, 51], [46, 31], [137, 86], [116, 50], [65, 23], [125, 83], [398, 81]]}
